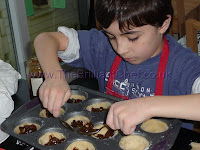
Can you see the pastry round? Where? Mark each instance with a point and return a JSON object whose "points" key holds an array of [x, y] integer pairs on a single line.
{"points": [[30, 127], [46, 138], [134, 142], [104, 105], [81, 145], [44, 113], [75, 98], [102, 133], [154, 126], [78, 118], [195, 146]]}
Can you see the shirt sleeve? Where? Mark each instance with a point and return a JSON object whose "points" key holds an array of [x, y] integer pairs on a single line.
{"points": [[8, 86], [196, 86], [72, 52]]}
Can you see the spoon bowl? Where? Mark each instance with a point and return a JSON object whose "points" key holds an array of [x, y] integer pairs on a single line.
{"points": [[90, 131]]}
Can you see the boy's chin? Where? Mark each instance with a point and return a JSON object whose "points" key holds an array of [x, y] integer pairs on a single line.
{"points": [[135, 62]]}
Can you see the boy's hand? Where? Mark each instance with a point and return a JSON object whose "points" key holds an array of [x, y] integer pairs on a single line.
{"points": [[127, 114], [54, 94]]}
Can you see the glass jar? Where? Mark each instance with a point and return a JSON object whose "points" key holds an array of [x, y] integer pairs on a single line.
{"points": [[35, 76]]}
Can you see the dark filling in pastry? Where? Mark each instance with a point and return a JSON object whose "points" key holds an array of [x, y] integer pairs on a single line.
{"points": [[87, 128], [54, 141], [108, 134], [98, 109], [77, 123], [72, 100], [27, 129], [48, 114]]}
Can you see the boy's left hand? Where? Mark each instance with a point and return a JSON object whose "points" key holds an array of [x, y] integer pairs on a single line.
{"points": [[127, 114]]}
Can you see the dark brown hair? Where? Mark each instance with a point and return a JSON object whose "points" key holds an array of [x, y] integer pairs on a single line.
{"points": [[133, 12]]}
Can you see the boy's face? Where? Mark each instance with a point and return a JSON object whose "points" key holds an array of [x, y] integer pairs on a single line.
{"points": [[135, 45]]}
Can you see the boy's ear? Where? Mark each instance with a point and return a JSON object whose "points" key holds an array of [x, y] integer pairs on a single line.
{"points": [[165, 24]]}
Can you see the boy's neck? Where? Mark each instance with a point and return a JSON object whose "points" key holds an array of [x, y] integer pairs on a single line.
{"points": [[160, 48]]}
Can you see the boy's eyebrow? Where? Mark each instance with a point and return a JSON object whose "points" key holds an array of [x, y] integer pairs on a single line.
{"points": [[129, 32]]}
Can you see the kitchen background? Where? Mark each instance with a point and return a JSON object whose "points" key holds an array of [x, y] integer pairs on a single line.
{"points": [[7, 52], [33, 17]]}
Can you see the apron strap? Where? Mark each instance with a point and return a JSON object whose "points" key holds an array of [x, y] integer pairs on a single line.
{"points": [[162, 68], [113, 71]]}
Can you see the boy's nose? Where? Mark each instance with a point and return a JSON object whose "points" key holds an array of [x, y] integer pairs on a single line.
{"points": [[121, 48]]}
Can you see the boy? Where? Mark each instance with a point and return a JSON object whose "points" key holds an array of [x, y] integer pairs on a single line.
{"points": [[136, 58]]}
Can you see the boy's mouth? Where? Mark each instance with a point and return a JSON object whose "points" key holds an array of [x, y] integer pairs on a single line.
{"points": [[131, 60], [128, 59]]}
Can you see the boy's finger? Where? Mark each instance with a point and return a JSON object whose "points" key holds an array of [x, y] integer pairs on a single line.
{"points": [[116, 116], [51, 99], [45, 98], [41, 93], [132, 129], [128, 130], [116, 121], [63, 103], [57, 104], [56, 111], [109, 120], [67, 96], [121, 124]]}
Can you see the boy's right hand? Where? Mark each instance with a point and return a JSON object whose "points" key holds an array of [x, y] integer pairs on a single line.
{"points": [[54, 94], [126, 115]]}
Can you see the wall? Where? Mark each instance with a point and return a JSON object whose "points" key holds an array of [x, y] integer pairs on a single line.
{"points": [[6, 47], [44, 20], [48, 19]]}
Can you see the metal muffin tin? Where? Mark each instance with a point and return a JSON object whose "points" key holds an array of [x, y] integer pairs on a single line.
{"points": [[29, 112]]}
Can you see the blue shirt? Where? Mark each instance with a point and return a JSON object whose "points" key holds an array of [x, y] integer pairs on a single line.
{"points": [[97, 55]]}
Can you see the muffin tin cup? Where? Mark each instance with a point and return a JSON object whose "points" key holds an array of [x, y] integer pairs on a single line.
{"points": [[50, 130], [64, 108], [78, 92], [149, 139], [31, 120], [29, 112], [79, 139], [160, 119]]}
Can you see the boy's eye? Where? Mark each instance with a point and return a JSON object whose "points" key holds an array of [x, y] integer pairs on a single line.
{"points": [[132, 40]]}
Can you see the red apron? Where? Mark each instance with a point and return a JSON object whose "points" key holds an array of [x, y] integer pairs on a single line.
{"points": [[159, 81]]}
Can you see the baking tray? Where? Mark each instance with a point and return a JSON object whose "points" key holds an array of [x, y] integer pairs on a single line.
{"points": [[29, 112]]}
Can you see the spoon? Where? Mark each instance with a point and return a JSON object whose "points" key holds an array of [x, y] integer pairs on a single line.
{"points": [[66, 124], [62, 121], [90, 130]]}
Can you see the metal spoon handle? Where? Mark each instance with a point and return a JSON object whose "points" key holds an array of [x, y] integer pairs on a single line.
{"points": [[66, 124], [98, 130]]}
